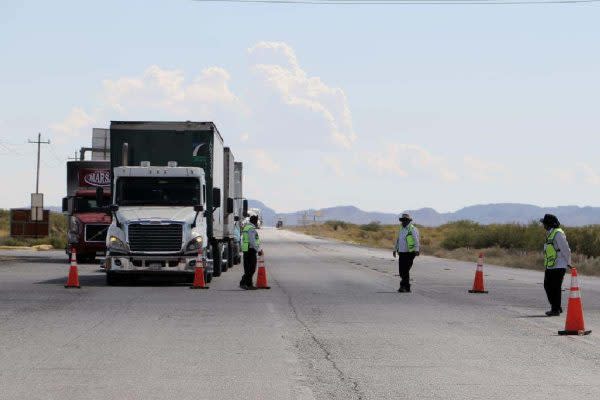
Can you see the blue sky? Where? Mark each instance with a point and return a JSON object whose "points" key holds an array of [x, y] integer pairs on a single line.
{"points": [[383, 107]]}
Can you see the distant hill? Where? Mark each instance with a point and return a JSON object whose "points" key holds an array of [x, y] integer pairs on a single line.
{"points": [[484, 214]]}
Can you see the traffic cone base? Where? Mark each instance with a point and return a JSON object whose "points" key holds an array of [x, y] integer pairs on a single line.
{"points": [[478, 291], [578, 333], [199, 282]]}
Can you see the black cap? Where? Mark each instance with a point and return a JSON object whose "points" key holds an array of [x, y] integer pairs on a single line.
{"points": [[254, 219], [550, 220]]}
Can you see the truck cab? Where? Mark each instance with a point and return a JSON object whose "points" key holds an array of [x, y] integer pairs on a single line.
{"points": [[159, 223], [88, 191]]}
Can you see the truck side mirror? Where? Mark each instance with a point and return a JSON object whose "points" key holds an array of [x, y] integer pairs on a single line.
{"points": [[245, 208], [99, 196], [216, 197], [65, 204], [229, 205]]}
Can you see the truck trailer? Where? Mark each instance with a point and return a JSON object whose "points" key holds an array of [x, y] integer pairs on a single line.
{"points": [[168, 199], [88, 191]]}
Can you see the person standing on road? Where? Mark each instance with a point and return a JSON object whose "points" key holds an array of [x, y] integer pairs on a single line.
{"points": [[407, 247], [250, 248], [557, 257]]}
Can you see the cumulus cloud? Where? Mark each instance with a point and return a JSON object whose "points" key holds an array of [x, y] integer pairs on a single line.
{"points": [[167, 90], [482, 170], [276, 63], [405, 159]]}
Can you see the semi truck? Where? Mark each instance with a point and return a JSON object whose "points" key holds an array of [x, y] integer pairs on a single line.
{"points": [[168, 199], [233, 189], [88, 191]]}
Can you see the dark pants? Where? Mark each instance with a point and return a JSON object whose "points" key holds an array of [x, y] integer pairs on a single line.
{"points": [[405, 263], [249, 267], [553, 279]]}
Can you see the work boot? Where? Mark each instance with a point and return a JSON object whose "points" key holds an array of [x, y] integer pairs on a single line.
{"points": [[402, 290], [243, 286], [251, 287], [553, 313]]}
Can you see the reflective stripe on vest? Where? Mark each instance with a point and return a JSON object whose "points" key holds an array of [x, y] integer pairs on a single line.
{"points": [[246, 237], [550, 252]]}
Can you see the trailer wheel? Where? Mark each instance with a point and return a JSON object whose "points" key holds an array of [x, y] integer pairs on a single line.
{"points": [[207, 277], [217, 259]]}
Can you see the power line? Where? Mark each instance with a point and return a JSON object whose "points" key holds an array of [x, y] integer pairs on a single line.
{"points": [[402, 2]]}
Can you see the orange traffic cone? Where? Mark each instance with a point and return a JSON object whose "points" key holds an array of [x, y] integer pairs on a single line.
{"points": [[261, 276], [199, 282], [73, 279], [478, 286], [574, 324]]}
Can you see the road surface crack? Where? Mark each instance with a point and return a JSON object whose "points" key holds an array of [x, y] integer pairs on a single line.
{"points": [[350, 383]]}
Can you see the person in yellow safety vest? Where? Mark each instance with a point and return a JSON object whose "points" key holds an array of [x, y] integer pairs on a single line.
{"points": [[250, 248], [557, 258], [408, 246]]}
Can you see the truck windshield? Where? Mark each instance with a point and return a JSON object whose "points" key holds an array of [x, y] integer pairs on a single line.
{"points": [[158, 191], [86, 205]]}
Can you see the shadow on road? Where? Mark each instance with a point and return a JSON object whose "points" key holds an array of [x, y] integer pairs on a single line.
{"points": [[533, 316], [100, 280]]}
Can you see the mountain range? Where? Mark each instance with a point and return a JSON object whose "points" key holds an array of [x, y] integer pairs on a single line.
{"points": [[483, 214]]}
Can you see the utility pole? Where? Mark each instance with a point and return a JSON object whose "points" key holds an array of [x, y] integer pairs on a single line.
{"points": [[38, 142]]}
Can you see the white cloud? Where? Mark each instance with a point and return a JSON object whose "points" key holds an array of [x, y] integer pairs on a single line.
{"points": [[277, 65], [484, 171], [264, 161], [407, 159], [74, 124], [244, 137], [167, 91]]}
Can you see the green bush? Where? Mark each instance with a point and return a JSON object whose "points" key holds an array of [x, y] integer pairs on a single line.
{"points": [[337, 224], [374, 226]]}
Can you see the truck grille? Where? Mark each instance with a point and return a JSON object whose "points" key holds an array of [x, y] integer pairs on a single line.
{"points": [[96, 232], [155, 237]]}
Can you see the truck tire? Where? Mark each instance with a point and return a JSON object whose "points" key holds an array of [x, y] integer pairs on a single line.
{"points": [[217, 259], [230, 255], [207, 277], [224, 261], [111, 279]]}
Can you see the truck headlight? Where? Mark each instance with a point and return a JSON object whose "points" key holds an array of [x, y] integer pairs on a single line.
{"points": [[194, 245], [114, 243]]}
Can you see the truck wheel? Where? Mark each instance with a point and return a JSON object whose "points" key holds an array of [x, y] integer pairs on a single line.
{"points": [[82, 258], [217, 260], [224, 262], [207, 277], [230, 261], [111, 278]]}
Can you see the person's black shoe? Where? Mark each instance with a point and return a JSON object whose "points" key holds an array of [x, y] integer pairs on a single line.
{"points": [[251, 287], [560, 310], [553, 313], [403, 290], [243, 287]]}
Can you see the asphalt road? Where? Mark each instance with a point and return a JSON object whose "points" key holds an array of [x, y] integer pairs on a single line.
{"points": [[332, 327]]}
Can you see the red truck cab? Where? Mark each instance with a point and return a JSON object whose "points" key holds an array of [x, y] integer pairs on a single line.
{"points": [[88, 224], [88, 195]]}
